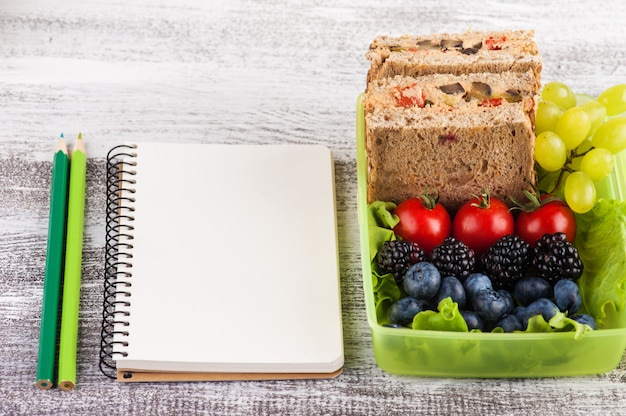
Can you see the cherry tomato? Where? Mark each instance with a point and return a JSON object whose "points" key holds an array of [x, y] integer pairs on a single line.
{"points": [[423, 221], [495, 44], [549, 217], [491, 102], [410, 96], [481, 221]]}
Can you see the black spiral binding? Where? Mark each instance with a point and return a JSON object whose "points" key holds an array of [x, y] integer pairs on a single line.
{"points": [[121, 162]]}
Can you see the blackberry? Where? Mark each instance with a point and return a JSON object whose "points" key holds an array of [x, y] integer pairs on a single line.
{"points": [[506, 261], [453, 258], [555, 258], [396, 256]]}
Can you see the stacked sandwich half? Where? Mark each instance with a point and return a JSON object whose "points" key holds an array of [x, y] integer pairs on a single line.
{"points": [[451, 113]]}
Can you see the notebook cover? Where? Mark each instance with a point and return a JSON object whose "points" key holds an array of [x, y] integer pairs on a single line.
{"points": [[191, 202]]}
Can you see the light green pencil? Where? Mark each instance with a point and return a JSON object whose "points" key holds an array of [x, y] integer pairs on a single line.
{"points": [[73, 264], [54, 268]]}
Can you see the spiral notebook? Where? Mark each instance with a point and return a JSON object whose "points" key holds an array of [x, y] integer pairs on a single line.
{"points": [[221, 263]]}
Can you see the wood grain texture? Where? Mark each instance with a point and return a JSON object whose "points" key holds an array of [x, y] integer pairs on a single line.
{"points": [[240, 72]]}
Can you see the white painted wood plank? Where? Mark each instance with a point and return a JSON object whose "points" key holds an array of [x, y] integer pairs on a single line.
{"points": [[240, 72]]}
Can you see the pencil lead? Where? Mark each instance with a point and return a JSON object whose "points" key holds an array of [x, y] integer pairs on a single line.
{"points": [[62, 136], [80, 136]]}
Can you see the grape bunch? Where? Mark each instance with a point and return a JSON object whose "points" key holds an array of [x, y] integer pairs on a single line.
{"points": [[578, 137]]}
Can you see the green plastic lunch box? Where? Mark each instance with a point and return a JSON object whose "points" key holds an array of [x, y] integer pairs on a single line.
{"points": [[486, 355]]}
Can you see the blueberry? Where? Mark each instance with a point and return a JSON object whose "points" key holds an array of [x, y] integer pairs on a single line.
{"points": [[490, 305], [472, 320], [510, 323], [430, 304], [510, 303], [583, 318], [519, 311], [544, 307], [404, 310], [529, 289], [451, 287], [567, 296], [422, 280], [475, 283]]}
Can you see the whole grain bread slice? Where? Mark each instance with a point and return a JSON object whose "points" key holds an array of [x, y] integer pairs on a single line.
{"points": [[417, 55], [456, 150]]}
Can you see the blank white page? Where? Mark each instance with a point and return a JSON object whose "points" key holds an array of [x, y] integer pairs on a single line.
{"points": [[235, 265]]}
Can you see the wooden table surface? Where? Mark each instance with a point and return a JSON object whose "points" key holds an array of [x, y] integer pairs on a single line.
{"points": [[241, 71]]}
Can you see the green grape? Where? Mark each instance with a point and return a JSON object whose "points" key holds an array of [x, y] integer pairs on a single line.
{"points": [[611, 135], [581, 150], [597, 163], [584, 147], [573, 127], [580, 192], [583, 98], [550, 151], [575, 163], [559, 94], [546, 117], [597, 114], [614, 99]]}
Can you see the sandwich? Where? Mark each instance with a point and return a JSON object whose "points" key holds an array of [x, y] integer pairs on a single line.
{"points": [[471, 52], [453, 134]]}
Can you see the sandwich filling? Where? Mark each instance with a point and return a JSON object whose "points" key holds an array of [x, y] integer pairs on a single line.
{"points": [[446, 92]]}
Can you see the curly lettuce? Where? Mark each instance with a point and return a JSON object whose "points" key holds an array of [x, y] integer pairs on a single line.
{"points": [[380, 224], [601, 243], [446, 318]]}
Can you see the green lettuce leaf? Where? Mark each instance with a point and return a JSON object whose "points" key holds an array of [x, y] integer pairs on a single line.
{"points": [[386, 292], [447, 318], [380, 222], [558, 323], [561, 323], [601, 243]]}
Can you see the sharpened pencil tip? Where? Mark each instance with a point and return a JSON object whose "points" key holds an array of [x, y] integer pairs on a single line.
{"points": [[61, 146], [62, 135], [80, 143]]}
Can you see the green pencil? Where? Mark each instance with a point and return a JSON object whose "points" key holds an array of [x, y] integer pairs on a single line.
{"points": [[54, 267], [73, 263]]}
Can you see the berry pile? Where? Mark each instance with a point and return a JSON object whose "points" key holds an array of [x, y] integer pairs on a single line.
{"points": [[505, 287]]}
